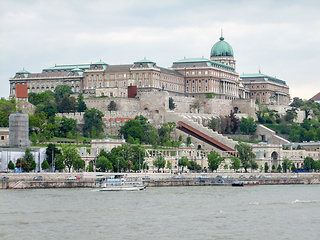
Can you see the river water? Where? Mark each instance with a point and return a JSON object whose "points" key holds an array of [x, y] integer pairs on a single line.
{"points": [[206, 212]]}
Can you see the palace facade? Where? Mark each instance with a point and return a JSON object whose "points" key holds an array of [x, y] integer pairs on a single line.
{"points": [[192, 77]]}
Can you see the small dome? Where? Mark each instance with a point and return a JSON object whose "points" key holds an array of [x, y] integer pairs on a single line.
{"points": [[221, 48], [191, 145], [183, 145]]}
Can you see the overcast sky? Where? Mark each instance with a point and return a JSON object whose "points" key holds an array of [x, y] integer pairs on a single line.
{"points": [[282, 38]]}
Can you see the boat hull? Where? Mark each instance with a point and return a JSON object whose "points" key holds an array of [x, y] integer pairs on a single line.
{"points": [[245, 184], [123, 188]]}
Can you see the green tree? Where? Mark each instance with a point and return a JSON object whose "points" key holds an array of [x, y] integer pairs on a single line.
{"points": [[266, 167], [169, 165], [194, 166], [286, 164], [70, 155], [212, 124], [172, 105], [112, 106], [93, 121], [166, 130], [253, 165], [61, 90], [26, 163], [6, 108], [183, 162], [235, 163], [52, 152], [308, 163], [279, 168], [132, 128], [159, 162], [78, 163], [245, 155], [293, 168], [66, 104], [103, 164], [59, 162], [273, 168], [81, 106], [11, 165], [214, 160], [248, 126], [150, 132], [45, 165]]}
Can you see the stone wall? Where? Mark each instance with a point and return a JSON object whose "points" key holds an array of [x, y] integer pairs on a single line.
{"points": [[123, 104]]}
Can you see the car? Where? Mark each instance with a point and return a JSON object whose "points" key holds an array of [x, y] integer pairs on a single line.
{"points": [[224, 176], [177, 176], [220, 180], [219, 176], [37, 178], [230, 177], [4, 178], [252, 176], [242, 176], [294, 176], [146, 178], [283, 176], [268, 176], [73, 178], [262, 176]]}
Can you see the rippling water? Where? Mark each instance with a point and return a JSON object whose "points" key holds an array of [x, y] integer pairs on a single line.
{"points": [[264, 212]]}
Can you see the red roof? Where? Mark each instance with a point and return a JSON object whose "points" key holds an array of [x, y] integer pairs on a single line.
{"points": [[316, 97], [22, 90]]}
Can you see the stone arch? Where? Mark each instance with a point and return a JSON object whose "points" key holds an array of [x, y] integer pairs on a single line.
{"points": [[274, 155]]}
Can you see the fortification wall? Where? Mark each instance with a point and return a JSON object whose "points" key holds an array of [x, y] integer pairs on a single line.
{"points": [[123, 104]]}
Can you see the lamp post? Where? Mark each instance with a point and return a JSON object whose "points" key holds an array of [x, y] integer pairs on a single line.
{"points": [[118, 165]]}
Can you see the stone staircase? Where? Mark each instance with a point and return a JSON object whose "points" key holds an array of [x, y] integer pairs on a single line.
{"points": [[174, 117]]}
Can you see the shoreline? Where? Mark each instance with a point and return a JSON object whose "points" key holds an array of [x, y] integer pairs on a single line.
{"points": [[86, 180]]}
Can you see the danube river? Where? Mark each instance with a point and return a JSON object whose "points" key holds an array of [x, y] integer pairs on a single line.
{"points": [[264, 212]]}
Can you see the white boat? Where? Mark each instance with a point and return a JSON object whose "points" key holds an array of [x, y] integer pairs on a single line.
{"points": [[119, 183]]}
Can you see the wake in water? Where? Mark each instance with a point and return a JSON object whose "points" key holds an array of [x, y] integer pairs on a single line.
{"points": [[306, 201]]}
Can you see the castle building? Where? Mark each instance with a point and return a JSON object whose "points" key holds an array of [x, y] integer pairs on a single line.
{"points": [[216, 76], [266, 89]]}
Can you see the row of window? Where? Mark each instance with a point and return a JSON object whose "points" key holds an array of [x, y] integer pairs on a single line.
{"points": [[195, 80], [199, 89], [257, 86], [199, 73]]}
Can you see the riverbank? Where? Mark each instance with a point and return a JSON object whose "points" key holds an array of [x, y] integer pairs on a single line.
{"points": [[86, 180]]}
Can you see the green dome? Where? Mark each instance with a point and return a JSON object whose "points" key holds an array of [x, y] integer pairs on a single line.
{"points": [[221, 48]]}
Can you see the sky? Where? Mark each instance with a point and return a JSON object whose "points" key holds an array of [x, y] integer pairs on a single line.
{"points": [[281, 38]]}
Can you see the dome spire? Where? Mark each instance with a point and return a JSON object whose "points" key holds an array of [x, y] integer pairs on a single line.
{"points": [[221, 38]]}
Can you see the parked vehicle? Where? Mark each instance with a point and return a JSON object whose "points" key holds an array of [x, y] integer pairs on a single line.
{"points": [[294, 176], [4, 178], [73, 178], [37, 178]]}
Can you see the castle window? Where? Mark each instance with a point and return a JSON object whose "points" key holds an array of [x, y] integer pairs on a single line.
{"points": [[116, 76], [206, 80], [187, 73], [199, 73], [108, 76], [95, 77], [100, 76], [193, 89], [146, 82], [206, 89], [206, 72], [107, 84], [140, 83], [124, 75], [193, 73], [140, 75], [124, 83], [187, 81], [100, 84], [133, 75], [257, 86], [192, 81], [199, 80], [199, 89], [116, 83], [262, 86], [146, 75]]}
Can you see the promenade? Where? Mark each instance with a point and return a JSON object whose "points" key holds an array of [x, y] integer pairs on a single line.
{"points": [[86, 179]]}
